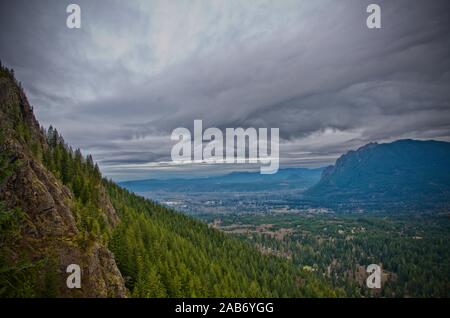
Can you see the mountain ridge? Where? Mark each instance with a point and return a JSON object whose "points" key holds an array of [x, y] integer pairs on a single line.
{"points": [[293, 178], [407, 170]]}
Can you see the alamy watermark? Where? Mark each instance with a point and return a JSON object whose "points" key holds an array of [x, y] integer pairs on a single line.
{"points": [[241, 145], [374, 279], [374, 19], [74, 279], [73, 20]]}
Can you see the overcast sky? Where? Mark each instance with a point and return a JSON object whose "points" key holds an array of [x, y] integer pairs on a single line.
{"points": [[136, 70]]}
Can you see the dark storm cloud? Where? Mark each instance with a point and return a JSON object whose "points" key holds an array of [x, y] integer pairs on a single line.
{"points": [[135, 71]]}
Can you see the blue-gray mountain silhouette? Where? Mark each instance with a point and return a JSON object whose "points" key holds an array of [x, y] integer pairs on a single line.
{"points": [[289, 178], [402, 171]]}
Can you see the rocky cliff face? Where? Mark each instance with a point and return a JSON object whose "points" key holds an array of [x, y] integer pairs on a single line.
{"points": [[49, 228]]}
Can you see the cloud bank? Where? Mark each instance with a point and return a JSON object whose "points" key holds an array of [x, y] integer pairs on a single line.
{"points": [[136, 70]]}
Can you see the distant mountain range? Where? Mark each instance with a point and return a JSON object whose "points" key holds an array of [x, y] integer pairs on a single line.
{"points": [[291, 178], [404, 171]]}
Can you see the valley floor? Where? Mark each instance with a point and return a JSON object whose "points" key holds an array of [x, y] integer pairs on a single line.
{"points": [[412, 249]]}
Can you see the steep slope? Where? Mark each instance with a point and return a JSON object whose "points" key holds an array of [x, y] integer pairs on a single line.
{"points": [[39, 214], [410, 172], [55, 210]]}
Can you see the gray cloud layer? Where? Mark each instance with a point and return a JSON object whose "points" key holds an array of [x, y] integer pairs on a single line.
{"points": [[135, 71]]}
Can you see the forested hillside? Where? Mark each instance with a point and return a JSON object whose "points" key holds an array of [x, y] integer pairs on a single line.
{"points": [[165, 253], [412, 249], [56, 209]]}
